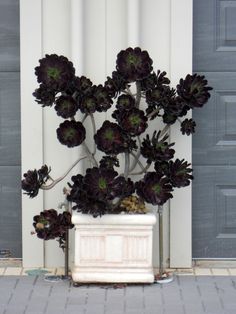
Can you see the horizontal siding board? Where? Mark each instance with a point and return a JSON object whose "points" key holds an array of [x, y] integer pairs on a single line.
{"points": [[9, 35], [10, 206], [10, 118]]}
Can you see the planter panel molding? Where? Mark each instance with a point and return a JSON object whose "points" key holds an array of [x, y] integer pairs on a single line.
{"points": [[91, 33]]}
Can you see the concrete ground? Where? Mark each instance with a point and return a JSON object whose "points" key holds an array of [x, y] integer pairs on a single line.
{"points": [[187, 294]]}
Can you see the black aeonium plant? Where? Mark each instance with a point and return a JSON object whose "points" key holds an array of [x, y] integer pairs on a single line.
{"points": [[137, 98]]}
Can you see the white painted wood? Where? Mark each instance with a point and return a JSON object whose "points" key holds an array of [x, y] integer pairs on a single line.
{"points": [[133, 22], [180, 65], [56, 39], [31, 124], [157, 20], [113, 248]]}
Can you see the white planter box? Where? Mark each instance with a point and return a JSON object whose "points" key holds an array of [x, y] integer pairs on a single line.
{"points": [[113, 248]]}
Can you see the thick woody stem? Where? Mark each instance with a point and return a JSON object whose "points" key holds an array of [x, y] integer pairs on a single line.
{"points": [[50, 186], [90, 155], [138, 94], [127, 160], [94, 131]]}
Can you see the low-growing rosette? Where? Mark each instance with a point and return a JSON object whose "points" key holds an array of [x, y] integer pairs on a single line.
{"points": [[156, 148], [66, 107], [109, 162], [115, 84], [50, 225], [111, 139], [180, 173], [71, 133], [133, 121], [134, 64], [44, 95], [125, 102], [154, 188], [34, 179], [55, 71], [188, 126], [194, 90]]}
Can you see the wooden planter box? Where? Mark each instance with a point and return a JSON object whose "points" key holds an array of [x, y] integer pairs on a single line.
{"points": [[113, 248]]}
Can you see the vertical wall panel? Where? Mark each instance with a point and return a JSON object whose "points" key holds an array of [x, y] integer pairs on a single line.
{"points": [[31, 124], [180, 65], [56, 39], [155, 38]]}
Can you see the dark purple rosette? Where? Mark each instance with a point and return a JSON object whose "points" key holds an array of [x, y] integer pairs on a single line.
{"points": [[50, 225], [115, 84], [88, 104], [103, 99], [168, 118], [133, 121], [180, 173], [71, 133], [98, 183], [109, 162], [156, 149], [188, 126], [125, 102], [154, 188], [194, 90], [34, 179], [110, 138], [66, 107], [82, 84], [134, 64], [55, 71], [44, 95]]}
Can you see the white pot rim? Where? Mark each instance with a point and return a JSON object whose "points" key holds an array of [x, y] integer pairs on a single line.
{"points": [[114, 219]]}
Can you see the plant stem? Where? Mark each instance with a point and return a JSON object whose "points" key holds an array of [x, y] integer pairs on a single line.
{"points": [[127, 161], [165, 130], [50, 186], [138, 94], [138, 161], [153, 113], [90, 155], [142, 171], [94, 131]]}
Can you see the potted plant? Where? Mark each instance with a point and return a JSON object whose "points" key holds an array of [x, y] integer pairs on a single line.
{"points": [[113, 237]]}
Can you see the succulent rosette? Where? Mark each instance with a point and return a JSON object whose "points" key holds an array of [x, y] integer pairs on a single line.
{"points": [[188, 126], [34, 179], [110, 138], [98, 183], [180, 173], [109, 162], [44, 95], [88, 104], [125, 102], [194, 90], [104, 101], [50, 225], [55, 71], [133, 121], [71, 133], [156, 149], [134, 64], [82, 84], [66, 107], [154, 188], [115, 84]]}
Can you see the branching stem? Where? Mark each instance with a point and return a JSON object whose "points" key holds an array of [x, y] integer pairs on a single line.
{"points": [[50, 186]]}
